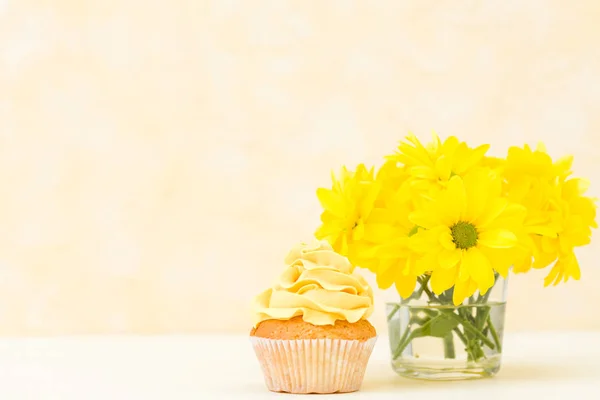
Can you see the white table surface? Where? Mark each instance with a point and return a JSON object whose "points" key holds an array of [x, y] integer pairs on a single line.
{"points": [[536, 366]]}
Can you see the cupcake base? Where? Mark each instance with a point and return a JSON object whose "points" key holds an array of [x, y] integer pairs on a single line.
{"points": [[313, 365]]}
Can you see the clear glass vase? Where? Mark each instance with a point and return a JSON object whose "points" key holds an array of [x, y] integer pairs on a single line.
{"points": [[431, 338]]}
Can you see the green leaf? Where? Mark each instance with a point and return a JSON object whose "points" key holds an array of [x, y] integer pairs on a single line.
{"points": [[438, 326], [442, 326]]}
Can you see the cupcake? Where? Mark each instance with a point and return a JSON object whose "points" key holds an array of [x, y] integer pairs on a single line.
{"points": [[311, 333]]}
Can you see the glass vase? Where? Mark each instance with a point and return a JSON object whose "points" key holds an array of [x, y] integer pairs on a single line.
{"points": [[431, 338]]}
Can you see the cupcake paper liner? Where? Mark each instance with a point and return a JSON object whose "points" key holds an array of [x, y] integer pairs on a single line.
{"points": [[313, 365]]}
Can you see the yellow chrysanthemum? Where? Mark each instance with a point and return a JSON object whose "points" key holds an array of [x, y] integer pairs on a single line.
{"points": [[348, 205], [494, 163], [559, 218], [467, 230], [433, 165], [577, 216], [529, 176], [455, 217], [391, 237], [532, 163], [392, 177]]}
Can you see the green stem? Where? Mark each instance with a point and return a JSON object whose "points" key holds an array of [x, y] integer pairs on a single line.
{"points": [[486, 331], [401, 346], [423, 282], [486, 296], [393, 312], [476, 350], [449, 346], [494, 334], [403, 343], [415, 295], [468, 327], [465, 341], [473, 336], [461, 336], [432, 298], [413, 334], [481, 318], [409, 335], [430, 313]]}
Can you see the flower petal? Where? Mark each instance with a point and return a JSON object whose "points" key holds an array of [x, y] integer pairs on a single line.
{"points": [[368, 201], [341, 245], [463, 269], [426, 263], [427, 241], [443, 279], [462, 290], [423, 219], [497, 239], [423, 172], [502, 260], [331, 201], [480, 268], [379, 232], [386, 273], [405, 285], [328, 230], [474, 157], [358, 233], [492, 212], [552, 276], [418, 152], [452, 207], [379, 216], [443, 167], [446, 240], [449, 258], [476, 185]]}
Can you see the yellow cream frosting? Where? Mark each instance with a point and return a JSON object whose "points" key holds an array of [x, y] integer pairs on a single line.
{"points": [[318, 284]]}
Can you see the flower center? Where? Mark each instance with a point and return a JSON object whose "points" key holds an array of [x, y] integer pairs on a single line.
{"points": [[464, 234]]}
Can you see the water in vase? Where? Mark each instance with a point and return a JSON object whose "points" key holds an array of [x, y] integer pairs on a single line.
{"points": [[446, 342]]}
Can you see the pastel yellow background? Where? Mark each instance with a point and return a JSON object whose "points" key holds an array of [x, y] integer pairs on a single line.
{"points": [[158, 159]]}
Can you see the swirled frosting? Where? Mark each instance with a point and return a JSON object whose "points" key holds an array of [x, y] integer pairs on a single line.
{"points": [[318, 284]]}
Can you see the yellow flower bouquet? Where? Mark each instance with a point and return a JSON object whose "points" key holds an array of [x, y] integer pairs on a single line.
{"points": [[444, 224]]}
